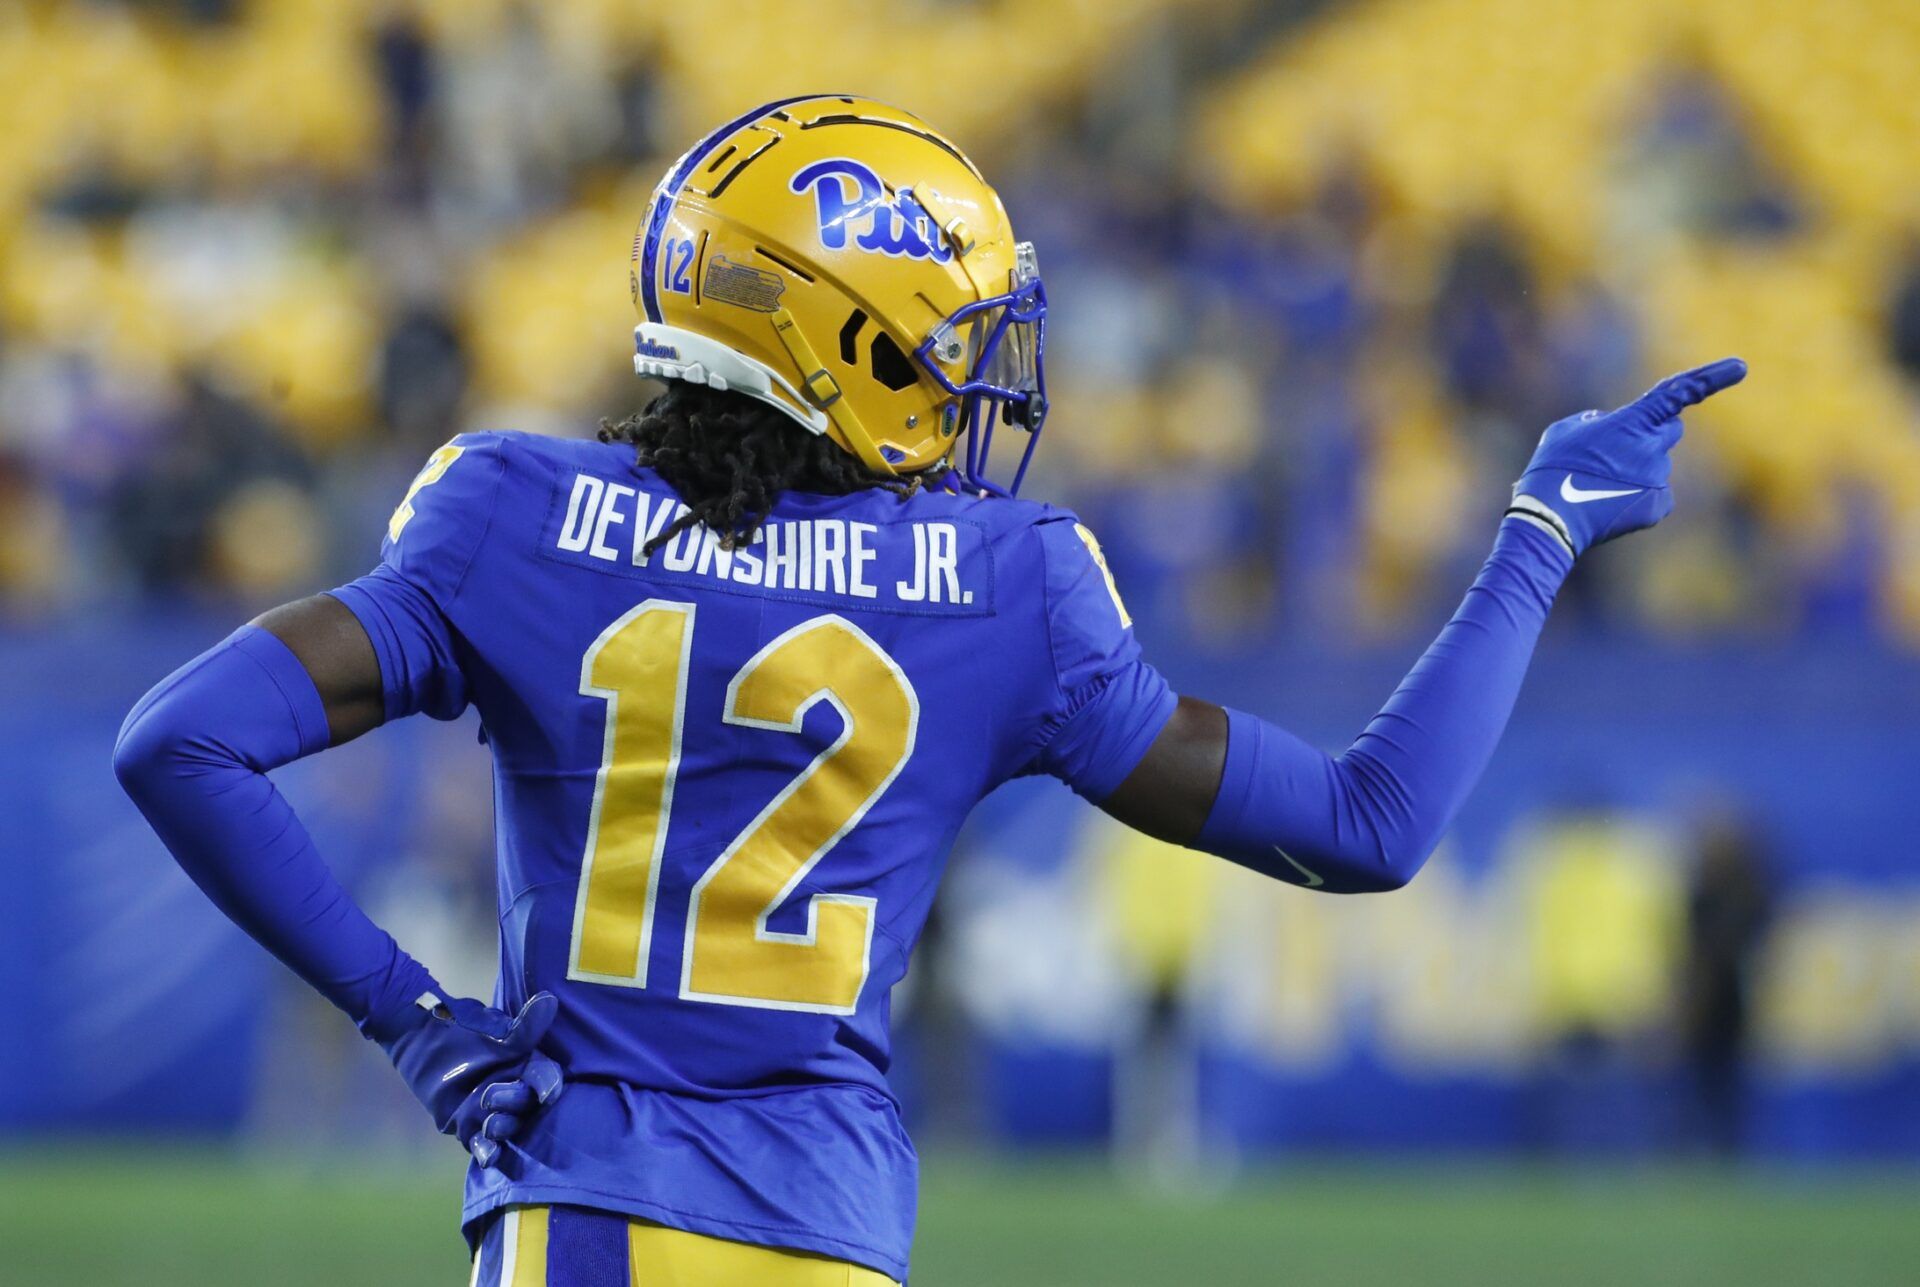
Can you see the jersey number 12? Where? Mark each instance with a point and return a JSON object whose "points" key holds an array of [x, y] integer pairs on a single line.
{"points": [[638, 667]]}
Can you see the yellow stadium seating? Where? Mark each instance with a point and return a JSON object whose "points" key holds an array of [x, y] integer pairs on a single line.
{"points": [[1467, 104]]}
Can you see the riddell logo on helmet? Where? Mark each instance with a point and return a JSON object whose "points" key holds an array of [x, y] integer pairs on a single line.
{"points": [[850, 197], [644, 347]]}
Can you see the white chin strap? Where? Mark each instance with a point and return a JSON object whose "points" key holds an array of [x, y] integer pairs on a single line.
{"points": [[670, 353]]}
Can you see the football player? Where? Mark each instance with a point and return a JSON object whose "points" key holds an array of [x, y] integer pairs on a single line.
{"points": [[744, 665]]}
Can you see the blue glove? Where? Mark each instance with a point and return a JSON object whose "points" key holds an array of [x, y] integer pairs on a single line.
{"points": [[476, 1069], [1594, 476]]}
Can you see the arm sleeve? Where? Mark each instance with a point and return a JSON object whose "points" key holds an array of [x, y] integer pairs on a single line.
{"points": [[194, 756], [1366, 820], [195, 753], [1108, 704]]}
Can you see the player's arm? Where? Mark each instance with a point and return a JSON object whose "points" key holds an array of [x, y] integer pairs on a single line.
{"points": [[194, 755], [1366, 819], [332, 647]]}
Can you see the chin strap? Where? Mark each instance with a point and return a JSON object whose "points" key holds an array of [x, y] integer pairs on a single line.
{"points": [[824, 392]]}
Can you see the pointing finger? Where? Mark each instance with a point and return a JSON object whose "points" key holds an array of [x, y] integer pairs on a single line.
{"points": [[1676, 393]]}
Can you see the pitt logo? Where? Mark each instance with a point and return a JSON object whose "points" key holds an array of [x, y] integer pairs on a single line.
{"points": [[850, 197]]}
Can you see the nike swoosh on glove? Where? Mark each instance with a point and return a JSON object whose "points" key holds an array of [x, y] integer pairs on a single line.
{"points": [[478, 1070], [1596, 476]]}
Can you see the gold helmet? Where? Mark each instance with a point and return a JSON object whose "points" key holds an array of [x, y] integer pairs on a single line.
{"points": [[838, 259]]}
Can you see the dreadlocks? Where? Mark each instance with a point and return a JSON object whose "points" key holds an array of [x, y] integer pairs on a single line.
{"points": [[729, 457]]}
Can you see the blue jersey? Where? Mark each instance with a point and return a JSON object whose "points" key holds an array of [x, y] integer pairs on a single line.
{"points": [[726, 782]]}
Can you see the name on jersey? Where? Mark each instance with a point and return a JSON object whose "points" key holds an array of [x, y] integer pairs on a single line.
{"points": [[916, 566]]}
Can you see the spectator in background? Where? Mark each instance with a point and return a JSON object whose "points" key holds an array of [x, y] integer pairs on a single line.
{"points": [[209, 13], [1840, 580], [1693, 164], [1189, 529], [33, 540], [1607, 913], [1161, 901], [405, 61], [221, 505], [1487, 329], [636, 92], [424, 372], [1593, 344], [1729, 908], [1903, 311]]}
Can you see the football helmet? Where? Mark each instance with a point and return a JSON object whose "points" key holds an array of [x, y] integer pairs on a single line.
{"points": [[838, 259]]}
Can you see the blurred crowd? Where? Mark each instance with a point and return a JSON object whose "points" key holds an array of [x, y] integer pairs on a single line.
{"points": [[1320, 274], [258, 257]]}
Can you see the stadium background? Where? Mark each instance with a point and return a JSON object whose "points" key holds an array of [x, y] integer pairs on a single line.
{"points": [[1320, 273]]}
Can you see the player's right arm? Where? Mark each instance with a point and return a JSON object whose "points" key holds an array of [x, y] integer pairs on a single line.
{"points": [[194, 755], [1365, 820]]}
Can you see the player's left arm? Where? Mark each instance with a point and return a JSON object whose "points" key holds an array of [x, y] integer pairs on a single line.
{"points": [[195, 755], [1366, 819]]}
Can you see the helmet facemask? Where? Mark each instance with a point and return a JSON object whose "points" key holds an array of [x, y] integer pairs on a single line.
{"points": [[1000, 344]]}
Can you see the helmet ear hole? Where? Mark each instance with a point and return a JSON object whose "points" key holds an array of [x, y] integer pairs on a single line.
{"points": [[892, 367]]}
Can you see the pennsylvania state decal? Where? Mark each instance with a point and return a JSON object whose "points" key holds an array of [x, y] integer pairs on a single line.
{"points": [[742, 285]]}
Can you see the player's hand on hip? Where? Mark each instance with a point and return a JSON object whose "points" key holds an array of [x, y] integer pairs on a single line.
{"points": [[477, 1070], [1599, 475]]}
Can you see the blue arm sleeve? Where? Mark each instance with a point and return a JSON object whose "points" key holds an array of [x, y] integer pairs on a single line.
{"points": [[194, 756], [1367, 819], [195, 753]]}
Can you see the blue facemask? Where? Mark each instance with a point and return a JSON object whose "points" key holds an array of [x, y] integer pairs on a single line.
{"points": [[1001, 341]]}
